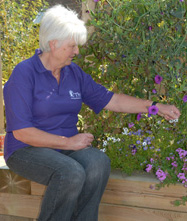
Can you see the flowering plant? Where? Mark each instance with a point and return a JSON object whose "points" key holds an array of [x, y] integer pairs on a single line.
{"points": [[152, 149], [138, 48]]}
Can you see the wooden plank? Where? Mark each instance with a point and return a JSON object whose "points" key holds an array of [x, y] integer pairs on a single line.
{"points": [[37, 189], [145, 187], [128, 186], [14, 218], [20, 205], [124, 213], [133, 193], [13, 183], [142, 200]]}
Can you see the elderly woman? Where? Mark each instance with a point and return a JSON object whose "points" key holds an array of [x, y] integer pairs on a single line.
{"points": [[43, 97]]}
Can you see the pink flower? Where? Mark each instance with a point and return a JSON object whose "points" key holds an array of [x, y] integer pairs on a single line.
{"points": [[184, 182], [149, 168], [158, 79], [160, 175], [130, 125], [181, 176], [139, 116], [174, 164], [153, 110], [182, 153]]}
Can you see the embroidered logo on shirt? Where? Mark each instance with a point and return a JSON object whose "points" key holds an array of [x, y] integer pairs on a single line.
{"points": [[74, 95]]}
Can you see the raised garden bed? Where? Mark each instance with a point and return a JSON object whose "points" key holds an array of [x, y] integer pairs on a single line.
{"points": [[126, 198]]}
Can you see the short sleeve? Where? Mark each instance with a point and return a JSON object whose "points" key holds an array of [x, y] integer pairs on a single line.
{"points": [[18, 105], [95, 95]]}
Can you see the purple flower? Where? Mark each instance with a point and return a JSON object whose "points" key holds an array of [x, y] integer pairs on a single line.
{"points": [[174, 164], [134, 151], [181, 0], [152, 187], [185, 182], [150, 28], [160, 175], [132, 146], [139, 116], [181, 176], [130, 125], [153, 110], [154, 91], [149, 168], [182, 153], [145, 148], [185, 98], [158, 79], [96, 0]]}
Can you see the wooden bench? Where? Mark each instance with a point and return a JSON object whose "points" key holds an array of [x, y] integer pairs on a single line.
{"points": [[126, 198]]}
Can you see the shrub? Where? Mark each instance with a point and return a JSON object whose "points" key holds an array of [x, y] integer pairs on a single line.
{"points": [[19, 33], [139, 48]]}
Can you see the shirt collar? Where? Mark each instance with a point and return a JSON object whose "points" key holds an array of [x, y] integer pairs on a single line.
{"points": [[37, 62]]}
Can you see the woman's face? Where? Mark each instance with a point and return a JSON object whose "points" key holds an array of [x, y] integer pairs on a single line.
{"points": [[64, 53]]}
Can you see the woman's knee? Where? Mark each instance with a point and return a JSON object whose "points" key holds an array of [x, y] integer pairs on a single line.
{"points": [[99, 166], [72, 178]]}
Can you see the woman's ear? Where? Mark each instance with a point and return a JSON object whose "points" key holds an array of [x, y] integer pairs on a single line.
{"points": [[52, 44]]}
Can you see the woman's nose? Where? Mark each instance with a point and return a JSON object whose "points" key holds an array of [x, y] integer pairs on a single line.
{"points": [[76, 50]]}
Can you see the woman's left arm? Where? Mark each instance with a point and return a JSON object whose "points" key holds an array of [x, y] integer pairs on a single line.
{"points": [[128, 104]]}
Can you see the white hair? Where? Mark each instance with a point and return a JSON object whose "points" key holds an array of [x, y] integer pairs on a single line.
{"points": [[60, 23]]}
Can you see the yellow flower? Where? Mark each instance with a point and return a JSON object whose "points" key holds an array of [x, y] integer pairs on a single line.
{"points": [[161, 24]]}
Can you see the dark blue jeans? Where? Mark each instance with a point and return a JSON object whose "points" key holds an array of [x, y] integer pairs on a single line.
{"points": [[75, 180]]}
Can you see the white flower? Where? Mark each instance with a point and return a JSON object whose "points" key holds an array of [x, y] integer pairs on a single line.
{"points": [[171, 121], [125, 131], [176, 120], [103, 150], [114, 139], [144, 143], [105, 143]]}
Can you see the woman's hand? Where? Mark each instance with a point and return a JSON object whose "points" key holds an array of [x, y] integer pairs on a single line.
{"points": [[80, 141], [169, 112], [38, 138]]}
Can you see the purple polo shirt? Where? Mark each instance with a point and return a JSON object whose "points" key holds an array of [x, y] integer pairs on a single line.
{"points": [[33, 98]]}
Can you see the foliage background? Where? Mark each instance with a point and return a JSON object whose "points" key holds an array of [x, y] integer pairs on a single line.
{"points": [[133, 42], [18, 32]]}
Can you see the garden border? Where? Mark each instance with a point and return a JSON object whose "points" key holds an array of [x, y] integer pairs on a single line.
{"points": [[126, 198]]}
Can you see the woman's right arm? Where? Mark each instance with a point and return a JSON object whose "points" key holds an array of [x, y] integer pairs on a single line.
{"points": [[38, 138]]}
